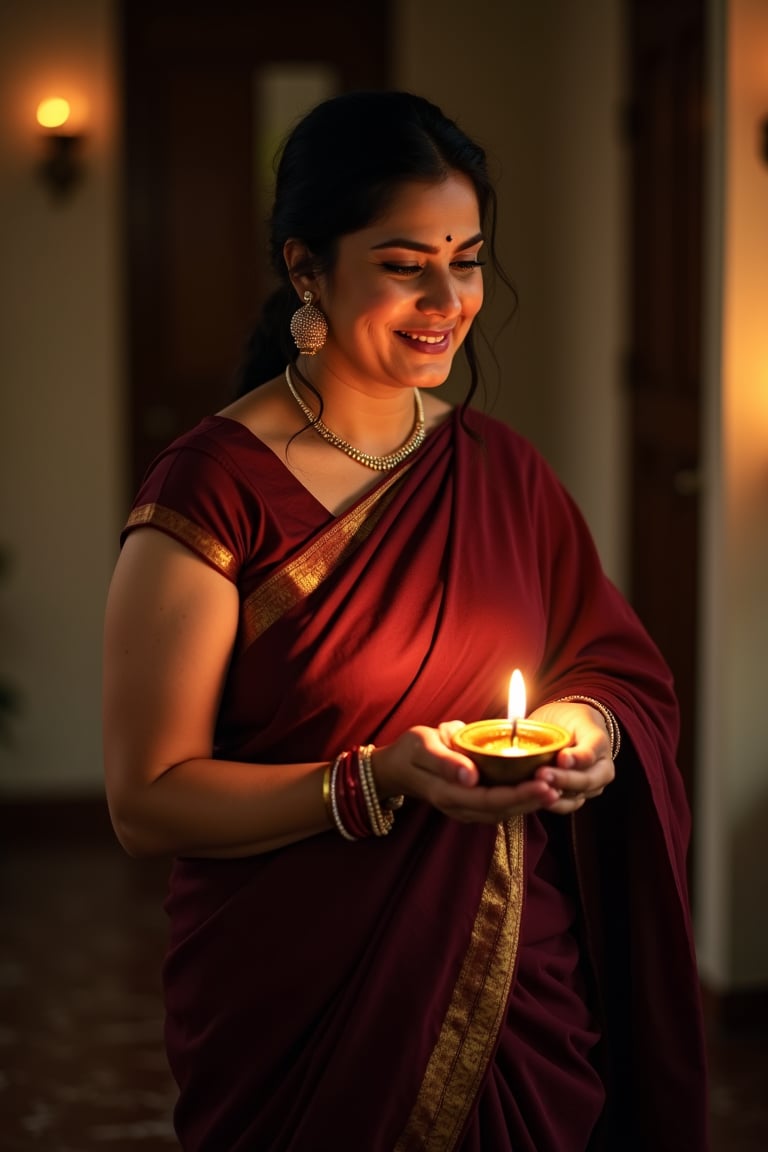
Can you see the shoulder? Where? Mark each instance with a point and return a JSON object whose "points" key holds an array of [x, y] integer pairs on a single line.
{"points": [[217, 453], [204, 490], [267, 413], [513, 464], [218, 436], [503, 443]]}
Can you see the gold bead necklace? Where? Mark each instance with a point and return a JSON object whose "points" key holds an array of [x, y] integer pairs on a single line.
{"points": [[377, 463]]}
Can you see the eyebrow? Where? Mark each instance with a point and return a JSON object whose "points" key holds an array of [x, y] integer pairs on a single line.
{"points": [[416, 246]]}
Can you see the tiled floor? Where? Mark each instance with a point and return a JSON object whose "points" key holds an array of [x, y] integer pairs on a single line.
{"points": [[739, 1093], [81, 938], [81, 1060]]}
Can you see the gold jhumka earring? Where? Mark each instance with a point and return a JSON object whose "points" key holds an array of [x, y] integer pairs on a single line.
{"points": [[309, 327]]}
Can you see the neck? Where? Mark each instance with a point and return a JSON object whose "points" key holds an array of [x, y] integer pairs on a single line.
{"points": [[376, 419], [373, 452]]}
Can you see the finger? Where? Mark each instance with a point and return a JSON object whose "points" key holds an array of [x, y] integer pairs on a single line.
{"points": [[448, 730], [470, 815], [434, 753], [587, 780], [565, 806], [582, 789], [573, 800], [492, 804], [594, 793]]}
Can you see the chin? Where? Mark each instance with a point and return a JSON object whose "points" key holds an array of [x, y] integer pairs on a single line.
{"points": [[434, 378], [434, 382]]}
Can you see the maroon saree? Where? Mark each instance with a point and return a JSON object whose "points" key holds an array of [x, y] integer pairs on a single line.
{"points": [[429, 990]]}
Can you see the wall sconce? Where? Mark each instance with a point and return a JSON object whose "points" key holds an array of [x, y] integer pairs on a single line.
{"points": [[61, 168]]}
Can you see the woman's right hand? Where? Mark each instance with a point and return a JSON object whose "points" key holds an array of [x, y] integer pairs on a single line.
{"points": [[423, 763]]}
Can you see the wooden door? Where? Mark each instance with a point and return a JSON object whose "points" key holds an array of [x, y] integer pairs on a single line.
{"points": [[666, 49], [195, 229]]}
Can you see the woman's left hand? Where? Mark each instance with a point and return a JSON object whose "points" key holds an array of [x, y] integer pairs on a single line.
{"points": [[583, 769]]}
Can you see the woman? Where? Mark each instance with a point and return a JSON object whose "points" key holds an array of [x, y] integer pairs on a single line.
{"points": [[370, 948]]}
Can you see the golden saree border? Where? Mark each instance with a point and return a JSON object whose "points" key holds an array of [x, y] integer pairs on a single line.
{"points": [[474, 1017], [200, 541], [302, 575]]}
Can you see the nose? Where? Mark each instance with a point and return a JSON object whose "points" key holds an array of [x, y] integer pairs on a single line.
{"points": [[439, 295]]}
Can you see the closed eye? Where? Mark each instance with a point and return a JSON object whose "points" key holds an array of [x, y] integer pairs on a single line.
{"points": [[413, 269]]}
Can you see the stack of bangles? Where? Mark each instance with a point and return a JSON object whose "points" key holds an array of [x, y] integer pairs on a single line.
{"points": [[351, 800], [611, 723]]}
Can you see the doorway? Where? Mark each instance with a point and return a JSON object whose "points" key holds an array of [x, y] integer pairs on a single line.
{"points": [[209, 89], [667, 137]]}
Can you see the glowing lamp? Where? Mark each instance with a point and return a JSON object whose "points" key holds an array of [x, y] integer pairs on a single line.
{"points": [[508, 751], [61, 168]]}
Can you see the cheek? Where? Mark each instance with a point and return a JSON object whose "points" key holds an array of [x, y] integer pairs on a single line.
{"points": [[473, 301], [366, 305]]}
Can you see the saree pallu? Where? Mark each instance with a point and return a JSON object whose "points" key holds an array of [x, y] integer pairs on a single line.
{"points": [[424, 991]]}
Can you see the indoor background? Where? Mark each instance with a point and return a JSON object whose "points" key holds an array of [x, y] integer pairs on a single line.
{"points": [[548, 89]]}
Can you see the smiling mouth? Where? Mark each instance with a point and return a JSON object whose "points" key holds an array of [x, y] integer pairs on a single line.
{"points": [[420, 339]]}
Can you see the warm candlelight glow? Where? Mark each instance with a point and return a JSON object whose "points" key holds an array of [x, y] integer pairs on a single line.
{"points": [[516, 702]]}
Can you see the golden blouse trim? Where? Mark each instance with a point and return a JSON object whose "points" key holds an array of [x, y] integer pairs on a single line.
{"points": [[291, 583], [474, 1017], [189, 533]]}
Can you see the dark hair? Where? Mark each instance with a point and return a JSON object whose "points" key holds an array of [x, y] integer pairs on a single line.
{"points": [[338, 170]]}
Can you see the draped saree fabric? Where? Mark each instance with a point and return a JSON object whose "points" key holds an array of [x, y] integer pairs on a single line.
{"points": [[427, 990]]}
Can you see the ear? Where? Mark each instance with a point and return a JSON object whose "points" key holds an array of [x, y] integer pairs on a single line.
{"points": [[300, 264]]}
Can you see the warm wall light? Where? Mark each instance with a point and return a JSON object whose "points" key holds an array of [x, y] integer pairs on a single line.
{"points": [[61, 168]]}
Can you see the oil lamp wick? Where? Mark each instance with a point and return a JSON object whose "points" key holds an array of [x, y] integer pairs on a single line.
{"points": [[513, 734]]}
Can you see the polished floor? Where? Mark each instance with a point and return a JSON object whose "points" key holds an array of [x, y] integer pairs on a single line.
{"points": [[81, 1060]]}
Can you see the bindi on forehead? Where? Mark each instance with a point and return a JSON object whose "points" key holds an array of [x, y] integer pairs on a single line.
{"points": [[419, 246], [449, 238]]}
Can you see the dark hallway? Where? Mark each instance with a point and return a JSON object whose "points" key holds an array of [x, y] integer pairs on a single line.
{"points": [[81, 940]]}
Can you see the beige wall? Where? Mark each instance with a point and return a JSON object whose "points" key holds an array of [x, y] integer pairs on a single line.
{"points": [[60, 445], [733, 860], [540, 84]]}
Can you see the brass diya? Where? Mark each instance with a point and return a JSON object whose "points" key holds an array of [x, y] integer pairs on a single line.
{"points": [[506, 751]]}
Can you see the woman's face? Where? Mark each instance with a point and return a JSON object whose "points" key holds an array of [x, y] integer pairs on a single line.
{"points": [[405, 290]]}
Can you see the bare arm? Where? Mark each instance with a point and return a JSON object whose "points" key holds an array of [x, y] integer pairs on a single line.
{"points": [[169, 631]]}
